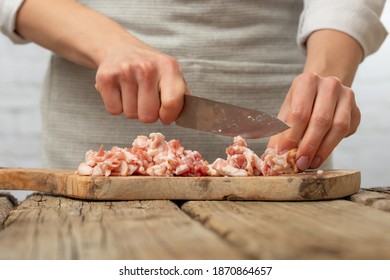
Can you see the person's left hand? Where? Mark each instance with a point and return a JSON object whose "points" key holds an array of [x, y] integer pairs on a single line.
{"points": [[321, 112]]}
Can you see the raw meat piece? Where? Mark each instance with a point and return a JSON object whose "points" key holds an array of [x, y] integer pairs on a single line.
{"points": [[154, 156], [241, 161], [277, 164], [148, 156]]}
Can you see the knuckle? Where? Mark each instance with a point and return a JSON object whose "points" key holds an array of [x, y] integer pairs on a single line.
{"points": [[332, 83], [307, 78], [170, 63], [299, 114], [291, 142], [105, 77], [342, 126], [124, 71], [124, 68], [170, 102], [350, 95], [323, 121], [309, 146], [145, 70], [142, 70]]}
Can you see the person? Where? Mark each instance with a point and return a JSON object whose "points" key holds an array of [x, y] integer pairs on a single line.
{"points": [[120, 68]]}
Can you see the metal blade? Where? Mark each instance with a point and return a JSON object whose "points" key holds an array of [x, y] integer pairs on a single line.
{"points": [[226, 119]]}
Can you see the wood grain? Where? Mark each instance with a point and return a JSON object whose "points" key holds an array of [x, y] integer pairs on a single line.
{"points": [[47, 227], [7, 203], [303, 186], [337, 229], [378, 198]]}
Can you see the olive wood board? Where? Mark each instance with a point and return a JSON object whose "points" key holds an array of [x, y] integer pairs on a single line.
{"points": [[309, 185]]}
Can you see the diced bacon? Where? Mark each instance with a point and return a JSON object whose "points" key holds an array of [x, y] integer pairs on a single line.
{"points": [[182, 169], [85, 169], [154, 156], [141, 142], [278, 164], [224, 168], [157, 170], [97, 171], [157, 141], [124, 169], [100, 153], [211, 171], [132, 169], [240, 157]]}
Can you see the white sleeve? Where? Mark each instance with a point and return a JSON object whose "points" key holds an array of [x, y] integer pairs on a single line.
{"points": [[8, 11], [360, 19]]}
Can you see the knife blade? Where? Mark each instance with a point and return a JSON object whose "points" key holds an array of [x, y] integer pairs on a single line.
{"points": [[226, 119]]}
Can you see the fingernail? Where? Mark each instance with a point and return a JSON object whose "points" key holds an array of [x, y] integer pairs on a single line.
{"points": [[315, 163], [303, 163]]}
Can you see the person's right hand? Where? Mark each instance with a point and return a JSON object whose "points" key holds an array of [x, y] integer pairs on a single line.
{"points": [[140, 82], [132, 77]]}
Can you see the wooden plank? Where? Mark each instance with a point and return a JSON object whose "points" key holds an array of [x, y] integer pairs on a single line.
{"points": [[378, 198], [303, 186], [7, 203], [337, 229], [46, 227]]}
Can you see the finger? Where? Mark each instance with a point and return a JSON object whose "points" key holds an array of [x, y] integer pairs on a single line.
{"points": [[296, 111], [345, 122], [129, 90], [356, 115], [109, 90], [282, 115], [320, 121], [148, 95], [172, 88]]}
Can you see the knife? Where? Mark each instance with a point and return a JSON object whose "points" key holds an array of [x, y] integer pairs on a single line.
{"points": [[226, 119]]}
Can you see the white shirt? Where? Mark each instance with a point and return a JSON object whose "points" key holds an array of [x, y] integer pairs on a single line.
{"points": [[357, 18], [8, 12]]}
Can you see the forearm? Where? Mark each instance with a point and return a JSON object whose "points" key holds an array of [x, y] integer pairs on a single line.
{"points": [[70, 29], [333, 53]]}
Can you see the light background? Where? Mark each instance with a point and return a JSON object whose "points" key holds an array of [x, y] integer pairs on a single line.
{"points": [[22, 69]]}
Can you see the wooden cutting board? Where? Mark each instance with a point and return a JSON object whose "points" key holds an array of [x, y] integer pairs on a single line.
{"points": [[303, 186]]}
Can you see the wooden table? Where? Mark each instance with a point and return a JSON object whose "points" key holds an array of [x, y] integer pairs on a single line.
{"points": [[54, 227]]}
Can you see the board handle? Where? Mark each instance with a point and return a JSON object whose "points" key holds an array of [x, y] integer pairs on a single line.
{"points": [[32, 179]]}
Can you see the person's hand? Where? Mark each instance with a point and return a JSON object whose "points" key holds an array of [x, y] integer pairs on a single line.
{"points": [[140, 82], [321, 112], [132, 77]]}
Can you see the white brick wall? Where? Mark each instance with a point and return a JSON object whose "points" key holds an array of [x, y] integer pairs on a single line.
{"points": [[22, 69]]}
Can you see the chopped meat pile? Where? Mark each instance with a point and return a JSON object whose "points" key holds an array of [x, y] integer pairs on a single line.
{"points": [[242, 161], [155, 156]]}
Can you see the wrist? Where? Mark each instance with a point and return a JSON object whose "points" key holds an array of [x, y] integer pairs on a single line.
{"points": [[333, 53]]}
